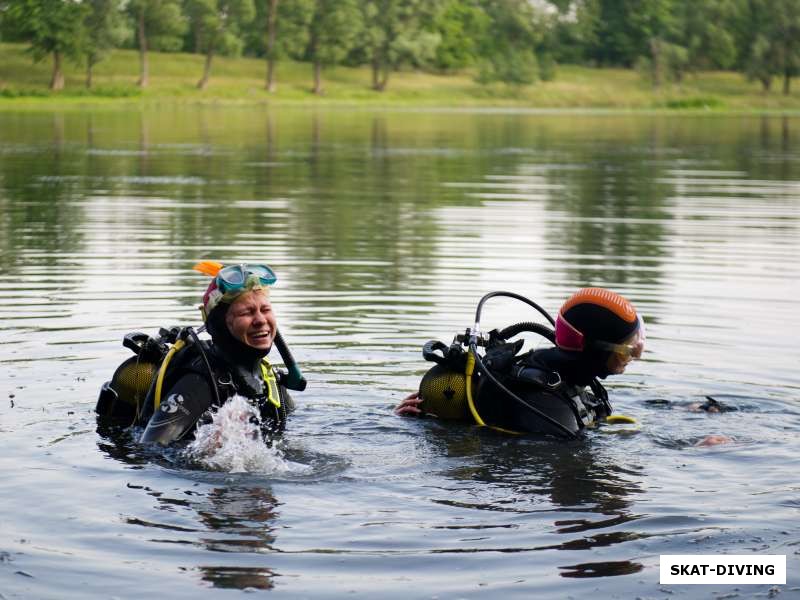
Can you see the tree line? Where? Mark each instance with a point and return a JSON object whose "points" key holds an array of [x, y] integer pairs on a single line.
{"points": [[512, 41]]}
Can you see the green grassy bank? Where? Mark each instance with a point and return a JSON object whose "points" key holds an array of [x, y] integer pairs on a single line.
{"points": [[24, 85]]}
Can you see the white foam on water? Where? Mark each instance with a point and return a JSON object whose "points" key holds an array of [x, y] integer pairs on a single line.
{"points": [[232, 442]]}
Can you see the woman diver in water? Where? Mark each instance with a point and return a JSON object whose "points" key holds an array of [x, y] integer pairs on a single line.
{"points": [[198, 376], [554, 390]]}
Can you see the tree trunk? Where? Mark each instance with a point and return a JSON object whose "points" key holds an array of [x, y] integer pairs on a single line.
{"points": [[89, 64], [271, 85], [655, 52], [317, 78], [144, 75], [201, 85], [272, 19], [787, 83], [384, 78], [376, 70], [57, 82], [766, 83]]}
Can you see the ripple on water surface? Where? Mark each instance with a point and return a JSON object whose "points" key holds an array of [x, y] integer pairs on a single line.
{"points": [[385, 229]]}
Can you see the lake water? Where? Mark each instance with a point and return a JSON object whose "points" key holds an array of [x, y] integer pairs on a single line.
{"points": [[385, 228]]}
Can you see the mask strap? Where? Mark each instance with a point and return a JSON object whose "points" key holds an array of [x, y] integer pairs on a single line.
{"points": [[567, 337]]}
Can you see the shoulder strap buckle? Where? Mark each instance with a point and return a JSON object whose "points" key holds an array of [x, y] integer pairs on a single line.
{"points": [[538, 377], [553, 379]]}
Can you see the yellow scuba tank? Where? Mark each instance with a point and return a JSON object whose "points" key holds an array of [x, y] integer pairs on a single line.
{"points": [[444, 387], [121, 399]]}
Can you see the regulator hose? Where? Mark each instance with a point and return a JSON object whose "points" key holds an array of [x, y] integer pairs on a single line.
{"points": [[483, 370], [207, 364], [542, 330], [527, 301], [512, 330]]}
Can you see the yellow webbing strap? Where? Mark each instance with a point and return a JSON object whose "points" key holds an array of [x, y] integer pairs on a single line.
{"points": [[268, 373], [162, 371]]}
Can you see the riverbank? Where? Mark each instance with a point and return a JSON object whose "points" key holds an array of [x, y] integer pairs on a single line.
{"points": [[240, 81]]}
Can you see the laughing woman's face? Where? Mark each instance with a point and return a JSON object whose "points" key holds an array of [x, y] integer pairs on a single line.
{"points": [[251, 321]]}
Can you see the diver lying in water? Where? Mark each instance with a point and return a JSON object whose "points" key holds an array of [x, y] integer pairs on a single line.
{"points": [[554, 390], [172, 391]]}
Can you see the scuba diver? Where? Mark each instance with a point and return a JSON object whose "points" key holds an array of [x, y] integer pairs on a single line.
{"points": [[170, 391], [554, 390]]}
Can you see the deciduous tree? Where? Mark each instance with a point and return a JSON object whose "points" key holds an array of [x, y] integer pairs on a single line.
{"points": [[218, 28], [461, 26], [332, 31], [272, 47], [509, 49], [398, 32], [771, 40], [51, 27], [159, 25], [105, 29], [707, 33]]}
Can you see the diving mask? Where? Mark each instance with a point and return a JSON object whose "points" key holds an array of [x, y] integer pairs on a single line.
{"points": [[228, 282], [569, 338], [629, 349], [235, 277]]}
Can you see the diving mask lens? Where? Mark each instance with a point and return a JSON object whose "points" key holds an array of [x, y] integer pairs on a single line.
{"points": [[263, 272], [630, 349], [235, 277]]}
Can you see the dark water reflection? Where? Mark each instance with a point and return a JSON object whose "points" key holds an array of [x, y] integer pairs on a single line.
{"points": [[385, 228]]}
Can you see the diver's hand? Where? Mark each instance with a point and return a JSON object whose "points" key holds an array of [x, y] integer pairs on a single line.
{"points": [[714, 440], [409, 406]]}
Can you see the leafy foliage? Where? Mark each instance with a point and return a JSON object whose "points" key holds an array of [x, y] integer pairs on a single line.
{"points": [[163, 21], [105, 29], [461, 26], [49, 25], [512, 41], [217, 24], [398, 32], [508, 50]]}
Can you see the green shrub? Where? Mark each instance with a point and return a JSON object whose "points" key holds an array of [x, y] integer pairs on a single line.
{"points": [[23, 93], [695, 102]]}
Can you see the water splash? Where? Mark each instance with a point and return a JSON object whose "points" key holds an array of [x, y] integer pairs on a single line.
{"points": [[232, 442]]}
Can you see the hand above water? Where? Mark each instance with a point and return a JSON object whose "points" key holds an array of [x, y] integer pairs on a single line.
{"points": [[409, 406], [714, 440]]}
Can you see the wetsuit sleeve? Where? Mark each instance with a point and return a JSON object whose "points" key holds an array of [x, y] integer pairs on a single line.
{"points": [[180, 408]]}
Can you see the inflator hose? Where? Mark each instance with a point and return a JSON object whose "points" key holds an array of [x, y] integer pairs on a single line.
{"points": [[470, 369], [163, 370], [470, 402]]}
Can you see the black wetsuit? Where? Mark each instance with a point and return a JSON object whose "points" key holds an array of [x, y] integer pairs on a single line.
{"points": [[187, 392], [561, 385]]}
